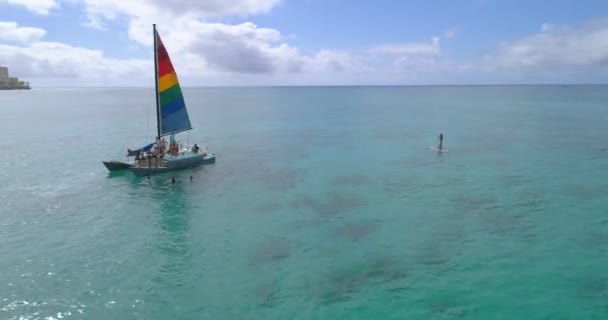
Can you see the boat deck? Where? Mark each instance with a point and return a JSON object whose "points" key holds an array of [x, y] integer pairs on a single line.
{"points": [[149, 163]]}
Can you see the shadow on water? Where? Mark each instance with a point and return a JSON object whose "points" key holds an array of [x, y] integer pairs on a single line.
{"points": [[335, 203], [268, 207], [271, 251], [171, 208], [355, 231], [174, 225], [275, 179], [342, 284], [592, 287], [450, 305], [351, 180], [269, 294]]}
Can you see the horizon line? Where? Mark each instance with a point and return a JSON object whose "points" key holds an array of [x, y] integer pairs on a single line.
{"points": [[335, 85]]}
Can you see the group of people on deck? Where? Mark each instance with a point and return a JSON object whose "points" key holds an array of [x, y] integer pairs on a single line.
{"points": [[154, 156], [160, 147]]}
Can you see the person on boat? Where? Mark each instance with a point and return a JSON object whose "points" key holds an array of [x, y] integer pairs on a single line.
{"points": [[155, 152], [172, 143], [139, 156], [195, 148], [440, 141], [163, 145], [156, 147]]}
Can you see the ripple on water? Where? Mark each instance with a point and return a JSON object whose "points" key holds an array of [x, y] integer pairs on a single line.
{"points": [[450, 307], [593, 288], [342, 284], [474, 201], [268, 207], [268, 294], [23, 309], [501, 223], [399, 187], [530, 200], [594, 240], [333, 203], [355, 231], [350, 180], [432, 255], [586, 192], [280, 179], [515, 180], [271, 251], [307, 222]]}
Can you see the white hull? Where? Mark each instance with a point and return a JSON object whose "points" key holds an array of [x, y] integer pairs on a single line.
{"points": [[173, 163], [113, 166]]}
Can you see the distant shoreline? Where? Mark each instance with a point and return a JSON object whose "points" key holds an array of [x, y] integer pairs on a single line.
{"points": [[335, 86], [23, 88]]}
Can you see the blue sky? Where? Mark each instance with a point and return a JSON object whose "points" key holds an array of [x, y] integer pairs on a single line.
{"points": [[307, 42]]}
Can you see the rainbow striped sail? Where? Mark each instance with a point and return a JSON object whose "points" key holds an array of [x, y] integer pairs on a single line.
{"points": [[171, 107]]}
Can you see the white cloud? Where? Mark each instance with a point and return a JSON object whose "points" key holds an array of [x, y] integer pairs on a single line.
{"points": [[41, 7], [206, 48], [546, 27], [216, 7], [239, 48], [555, 46], [414, 48], [242, 48], [406, 63], [10, 31], [196, 45], [58, 60], [94, 22], [450, 33], [163, 12], [331, 60], [247, 48], [428, 65], [51, 60], [410, 57]]}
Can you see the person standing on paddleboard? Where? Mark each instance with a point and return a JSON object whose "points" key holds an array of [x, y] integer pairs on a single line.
{"points": [[440, 141]]}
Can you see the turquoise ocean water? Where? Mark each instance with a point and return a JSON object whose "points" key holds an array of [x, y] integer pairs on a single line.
{"points": [[324, 203]]}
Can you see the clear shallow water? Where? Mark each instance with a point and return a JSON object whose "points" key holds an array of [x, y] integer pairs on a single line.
{"points": [[324, 203]]}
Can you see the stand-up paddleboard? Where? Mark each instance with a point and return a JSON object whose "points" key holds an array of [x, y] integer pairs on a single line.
{"points": [[437, 149]]}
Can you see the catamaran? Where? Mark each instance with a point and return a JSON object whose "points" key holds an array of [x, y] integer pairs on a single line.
{"points": [[171, 118]]}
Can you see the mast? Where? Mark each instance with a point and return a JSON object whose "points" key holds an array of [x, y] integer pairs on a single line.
{"points": [[156, 93]]}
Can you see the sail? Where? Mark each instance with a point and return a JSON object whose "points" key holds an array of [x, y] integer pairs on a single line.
{"points": [[172, 114]]}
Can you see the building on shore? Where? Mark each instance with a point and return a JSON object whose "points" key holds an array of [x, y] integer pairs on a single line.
{"points": [[3, 77], [11, 83]]}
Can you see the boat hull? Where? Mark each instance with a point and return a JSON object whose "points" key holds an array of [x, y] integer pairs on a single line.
{"points": [[174, 163], [116, 165]]}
